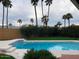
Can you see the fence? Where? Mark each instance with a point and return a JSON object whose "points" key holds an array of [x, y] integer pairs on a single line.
{"points": [[9, 33]]}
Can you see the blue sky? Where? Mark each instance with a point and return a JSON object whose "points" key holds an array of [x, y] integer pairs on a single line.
{"points": [[22, 9]]}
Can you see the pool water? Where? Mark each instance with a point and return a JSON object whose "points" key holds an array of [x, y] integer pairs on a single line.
{"points": [[46, 45]]}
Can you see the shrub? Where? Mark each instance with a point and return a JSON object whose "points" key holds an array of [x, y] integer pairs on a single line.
{"points": [[72, 31], [41, 54], [33, 31], [4, 56]]}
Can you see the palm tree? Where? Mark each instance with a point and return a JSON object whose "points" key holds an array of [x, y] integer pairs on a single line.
{"points": [[64, 17], [34, 3], [48, 2], [3, 13], [7, 4], [10, 25], [32, 20], [45, 20], [59, 24], [42, 6], [42, 11], [69, 16], [19, 21]]}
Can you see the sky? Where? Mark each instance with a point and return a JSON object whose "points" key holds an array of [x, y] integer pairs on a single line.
{"points": [[23, 9]]}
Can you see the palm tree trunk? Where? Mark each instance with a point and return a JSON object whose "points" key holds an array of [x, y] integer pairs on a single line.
{"points": [[3, 17], [48, 10], [46, 24], [42, 7], [36, 16], [64, 23], [7, 18], [69, 22]]}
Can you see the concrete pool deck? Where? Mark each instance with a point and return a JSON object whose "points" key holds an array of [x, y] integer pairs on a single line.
{"points": [[19, 53]]}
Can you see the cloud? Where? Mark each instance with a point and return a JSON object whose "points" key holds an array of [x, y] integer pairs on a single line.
{"points": [[23, 9]]}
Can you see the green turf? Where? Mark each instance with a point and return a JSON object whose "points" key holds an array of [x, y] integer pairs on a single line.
{"points": [[54, 38]]}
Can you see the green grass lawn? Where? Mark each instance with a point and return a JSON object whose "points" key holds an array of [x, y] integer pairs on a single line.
{"points": [[54, 38]]}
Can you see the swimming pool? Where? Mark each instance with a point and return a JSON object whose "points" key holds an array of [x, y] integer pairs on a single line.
{"points": [[46, 45]]}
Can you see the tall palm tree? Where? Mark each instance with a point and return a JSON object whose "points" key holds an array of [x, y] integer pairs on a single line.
{"points": [[48, 2], [34, 3], [19, 21], [3, 13], [42, 7], [7, 4], [64, 17], [69, 16]]}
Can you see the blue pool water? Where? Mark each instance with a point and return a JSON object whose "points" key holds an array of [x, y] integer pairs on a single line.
{"points": [[46, 45]]}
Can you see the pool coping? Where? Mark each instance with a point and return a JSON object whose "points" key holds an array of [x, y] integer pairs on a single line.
{"points": [[51, 40]]}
